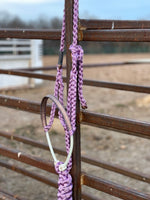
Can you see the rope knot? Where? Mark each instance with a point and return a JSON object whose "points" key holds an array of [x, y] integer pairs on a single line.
{"points": [[77, 52], [64, 183], [80, 53], [77, 57]]}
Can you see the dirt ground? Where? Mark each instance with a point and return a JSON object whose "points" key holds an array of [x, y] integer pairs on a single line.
{"points": [[116, 148]]}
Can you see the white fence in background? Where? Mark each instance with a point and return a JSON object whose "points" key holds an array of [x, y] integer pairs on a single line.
{"points": [[19, 53]]}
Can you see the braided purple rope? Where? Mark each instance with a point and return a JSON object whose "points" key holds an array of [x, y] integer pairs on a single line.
{"points": [[59, 86], [64, 183], [65, 180]]}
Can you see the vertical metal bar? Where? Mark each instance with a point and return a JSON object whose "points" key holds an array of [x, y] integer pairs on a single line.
{"points": [[69, 26], [76, 169]]}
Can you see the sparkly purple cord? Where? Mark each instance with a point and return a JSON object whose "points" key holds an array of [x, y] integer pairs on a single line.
{"points": [[65, 180]]}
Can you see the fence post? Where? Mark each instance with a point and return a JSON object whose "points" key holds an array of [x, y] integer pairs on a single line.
{"points": [[76, 169], [36, 58]]}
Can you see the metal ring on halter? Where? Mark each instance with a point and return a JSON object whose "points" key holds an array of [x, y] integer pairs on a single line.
{"points": [[63, 166]]}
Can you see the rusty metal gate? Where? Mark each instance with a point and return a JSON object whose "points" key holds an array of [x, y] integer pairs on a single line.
{"points": [[89, 30]]}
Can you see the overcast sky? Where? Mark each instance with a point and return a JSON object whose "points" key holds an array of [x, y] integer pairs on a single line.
{"points": [[108, 9]]}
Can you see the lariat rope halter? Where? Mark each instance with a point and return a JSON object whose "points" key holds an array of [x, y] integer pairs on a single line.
{"points": [[67, 117]]}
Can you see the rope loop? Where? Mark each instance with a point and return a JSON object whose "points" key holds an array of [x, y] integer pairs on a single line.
{"points": [[68, 129]]}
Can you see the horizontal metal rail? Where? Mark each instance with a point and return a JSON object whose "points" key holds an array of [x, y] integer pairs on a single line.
{"points": [[122, 125], [38, 177], [111, 167], [113, 189], [29, 141], [47, 68], [5, 195], [117, 86], [30, 34], [114, 24], [44, 68], [20, 104], [33, 175], [27, 159], [88, 180], [118, 169], [28, 74], [116, 35], [93, 83]]}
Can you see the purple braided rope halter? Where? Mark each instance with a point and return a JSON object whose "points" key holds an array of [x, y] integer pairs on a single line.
{"points": [[76, 76]]}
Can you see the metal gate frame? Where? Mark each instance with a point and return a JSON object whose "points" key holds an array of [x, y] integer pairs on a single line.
{"points": [[89, 30]]}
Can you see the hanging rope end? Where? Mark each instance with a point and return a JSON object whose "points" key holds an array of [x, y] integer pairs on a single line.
{"points": [[84, 106]]}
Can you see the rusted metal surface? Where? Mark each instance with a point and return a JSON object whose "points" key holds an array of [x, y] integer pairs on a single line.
{"points": [[7, 196], [44, 68], [30, 34], [87, 180], [28, 74], [33, 175], [94, 182], [110, 64], [20, 104], [49, 68], [118, 169], [113, 189], [28, 159], [118, 86], [29, 141], [122, 125], [116, 35], [41, 178], [114, 24], [36, 162], [105, 165], [86, 82], [76, 167]]}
